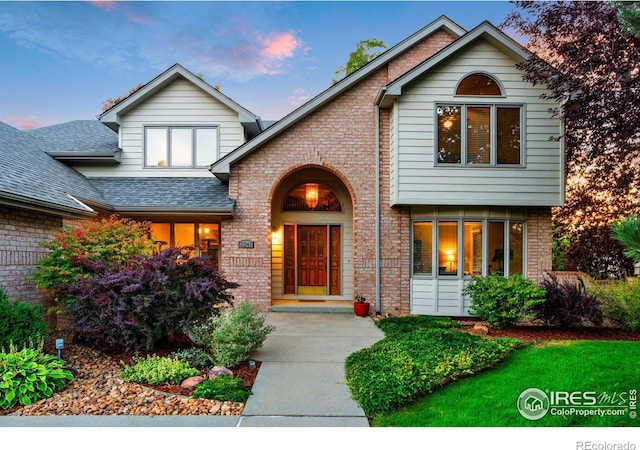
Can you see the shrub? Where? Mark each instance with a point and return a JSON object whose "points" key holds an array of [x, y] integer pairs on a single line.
{"points": [[224, 388], [21, 324], [627, 232], [113, 241], [232, 336], [403, 367], [137, 306], [408, 324], [621, 302], [503, 301], [195, 357], [28, 375], [568, 303], [157, 370]]}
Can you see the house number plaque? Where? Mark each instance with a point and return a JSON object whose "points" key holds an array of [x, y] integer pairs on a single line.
{"points": [[245, 244]]}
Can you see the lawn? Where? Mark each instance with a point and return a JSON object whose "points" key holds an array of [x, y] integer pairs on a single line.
{"points": [[489, 399]]}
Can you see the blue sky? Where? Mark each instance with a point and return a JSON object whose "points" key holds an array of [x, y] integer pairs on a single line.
{"points": [[61, 60]]}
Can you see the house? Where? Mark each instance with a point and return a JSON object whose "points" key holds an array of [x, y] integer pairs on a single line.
{"points": [[373, 187]]}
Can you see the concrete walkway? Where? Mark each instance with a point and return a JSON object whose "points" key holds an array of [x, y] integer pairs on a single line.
{"points": [[301, 382]]}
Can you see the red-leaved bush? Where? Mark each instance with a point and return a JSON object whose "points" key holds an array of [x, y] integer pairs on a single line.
{"points": [[146, 301]]}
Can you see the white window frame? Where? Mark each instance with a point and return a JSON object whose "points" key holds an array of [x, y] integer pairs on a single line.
{"points": [[463, 133], [194, 154]]}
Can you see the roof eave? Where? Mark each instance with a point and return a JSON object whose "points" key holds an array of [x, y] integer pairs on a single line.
{"points": [[31, 204], [84, 157], [168, 211]]}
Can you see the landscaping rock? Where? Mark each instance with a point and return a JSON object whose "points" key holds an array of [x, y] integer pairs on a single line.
{"points": [[480, 329], [218, 371], [191, 383]]}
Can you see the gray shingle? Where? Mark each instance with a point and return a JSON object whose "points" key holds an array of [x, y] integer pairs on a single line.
{"points": [[77, 136], [165, 193], [27, 171]]}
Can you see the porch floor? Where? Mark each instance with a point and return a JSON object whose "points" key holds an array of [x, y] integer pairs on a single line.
{"points": [[313, 306]]}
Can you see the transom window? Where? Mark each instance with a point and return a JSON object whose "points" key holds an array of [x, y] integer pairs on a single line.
{"points": [[478, 84], [180, 146], [312, 197], [455, 248], [482, 134]]}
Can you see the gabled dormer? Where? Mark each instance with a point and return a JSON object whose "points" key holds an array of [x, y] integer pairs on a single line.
{"points": [[175, 125]]}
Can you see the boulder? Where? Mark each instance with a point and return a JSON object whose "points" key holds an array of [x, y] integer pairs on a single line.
{"points": [[218, 371], [480, 329], [191, 383]]}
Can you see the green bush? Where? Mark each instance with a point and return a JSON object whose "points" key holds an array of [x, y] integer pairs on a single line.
{"points": [[503, 301], [401, 368], [28, 375], [232, 336], [21, 324], [621, 302], [402, 325], [157, 370], [225, 389], [195, 357]]}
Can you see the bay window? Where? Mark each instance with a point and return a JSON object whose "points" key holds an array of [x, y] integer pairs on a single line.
{"points": [[468, 247], [184, 147]]}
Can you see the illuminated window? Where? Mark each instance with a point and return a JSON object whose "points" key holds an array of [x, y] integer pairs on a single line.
{"points": [[478, 84], [180, 146], [447, 248], [312, 197], [422, 248], [202, 238]]}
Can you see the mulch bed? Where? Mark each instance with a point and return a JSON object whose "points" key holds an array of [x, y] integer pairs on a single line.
{"points": [[536, 333]]}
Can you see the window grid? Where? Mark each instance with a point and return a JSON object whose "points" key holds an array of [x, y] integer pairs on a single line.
{"points": [[180, 146]]}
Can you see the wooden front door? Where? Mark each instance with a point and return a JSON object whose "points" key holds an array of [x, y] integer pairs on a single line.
{"points": [[312, 259], [311, 262]]}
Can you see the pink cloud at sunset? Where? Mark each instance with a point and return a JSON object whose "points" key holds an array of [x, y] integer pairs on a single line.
{"points": [[22, 123], [279, 45], [106, 5]]}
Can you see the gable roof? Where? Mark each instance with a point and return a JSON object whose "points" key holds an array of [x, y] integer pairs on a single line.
{"points": [[111, 117], [222, 167], [485, 30], [31, 179], [80, 141]]}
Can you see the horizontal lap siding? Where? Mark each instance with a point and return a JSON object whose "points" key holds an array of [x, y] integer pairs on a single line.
{"points": [[180, 103], [418, 181], [438, 297]]}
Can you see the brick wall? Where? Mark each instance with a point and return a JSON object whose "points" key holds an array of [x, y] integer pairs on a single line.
{"points": [[539, 237], [339, 138], [21, 233]]}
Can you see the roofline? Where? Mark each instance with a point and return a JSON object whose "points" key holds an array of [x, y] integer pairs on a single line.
{"points": [[221, 168], [388, 93], [111, 116], [168, 211], [23, 202], [113, 157]]}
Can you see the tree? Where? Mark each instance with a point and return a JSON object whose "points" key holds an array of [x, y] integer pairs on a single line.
{"points": [[366, 50], [591, 64], [111, 102], [627, 232], [629, 16]]}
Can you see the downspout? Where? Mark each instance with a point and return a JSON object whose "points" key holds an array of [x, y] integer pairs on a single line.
{"points": [[378, 281]]}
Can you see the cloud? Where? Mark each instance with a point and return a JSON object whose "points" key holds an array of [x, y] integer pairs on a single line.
{"points": [[298, 97], [106, 5], [22, 122], [278, 46]]}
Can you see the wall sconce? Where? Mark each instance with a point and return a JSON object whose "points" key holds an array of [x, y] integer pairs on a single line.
{"points": [[311, 195]]}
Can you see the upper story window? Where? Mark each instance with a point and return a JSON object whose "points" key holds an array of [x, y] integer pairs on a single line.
{"points": [[183, 147], [486, 134], [478, 84]]}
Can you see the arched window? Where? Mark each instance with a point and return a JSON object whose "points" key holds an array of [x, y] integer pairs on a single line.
{"points": [[478, 84], [312, 197]]}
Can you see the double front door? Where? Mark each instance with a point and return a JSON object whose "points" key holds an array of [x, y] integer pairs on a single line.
{"points": [[312, 259]]}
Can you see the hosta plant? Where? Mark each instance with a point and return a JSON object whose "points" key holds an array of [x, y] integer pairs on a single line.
{"points": [[28, 375]]}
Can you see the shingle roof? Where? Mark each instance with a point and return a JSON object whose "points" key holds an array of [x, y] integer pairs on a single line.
{"points": [[78, 136], [31, 177], [165, 194]]}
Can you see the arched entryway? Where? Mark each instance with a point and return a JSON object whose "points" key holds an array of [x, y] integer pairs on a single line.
{"points": [[312, 238]]}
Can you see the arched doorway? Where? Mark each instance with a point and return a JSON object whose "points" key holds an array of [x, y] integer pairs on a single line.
{"points": [[312, 244]]}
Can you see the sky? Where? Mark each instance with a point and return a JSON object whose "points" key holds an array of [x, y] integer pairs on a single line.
{"points": [[61, 60]]}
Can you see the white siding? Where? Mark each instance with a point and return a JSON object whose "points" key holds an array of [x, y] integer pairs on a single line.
{"points": [[180, 103], [439, 297], [419, 181]]}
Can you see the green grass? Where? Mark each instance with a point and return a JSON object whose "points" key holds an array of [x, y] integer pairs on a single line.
{"points": [[489, 399]]}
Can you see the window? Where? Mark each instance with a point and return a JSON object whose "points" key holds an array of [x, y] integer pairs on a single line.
{"points": [[180, 146], [204, 238], [312, 197], [468, 247], [478, 84], [492, 134]]}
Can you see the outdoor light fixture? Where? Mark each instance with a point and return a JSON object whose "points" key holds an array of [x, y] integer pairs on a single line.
{"points": [[252, 364], [311, 195], [59, 347]]}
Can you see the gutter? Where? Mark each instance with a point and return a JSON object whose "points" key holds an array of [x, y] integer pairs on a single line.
{"points": [[377, 221], [23, 202]]}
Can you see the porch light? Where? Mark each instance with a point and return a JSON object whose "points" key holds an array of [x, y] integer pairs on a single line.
{"points": [[311, 195]]}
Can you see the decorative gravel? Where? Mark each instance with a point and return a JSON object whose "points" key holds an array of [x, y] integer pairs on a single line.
{"points": [[97, 389]]}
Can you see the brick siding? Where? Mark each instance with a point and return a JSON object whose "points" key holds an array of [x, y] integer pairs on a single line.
{"points": [[21, 233]]}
